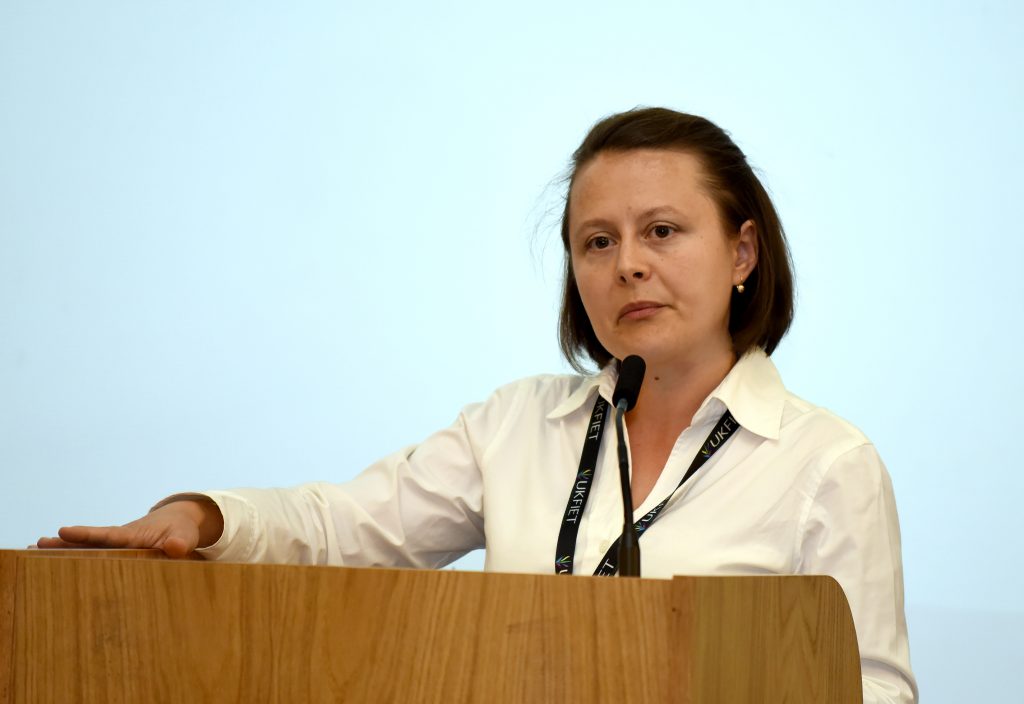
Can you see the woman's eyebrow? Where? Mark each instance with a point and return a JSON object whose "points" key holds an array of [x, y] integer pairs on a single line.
{"points": [[594, 222], [658, 210], [645, 215]]}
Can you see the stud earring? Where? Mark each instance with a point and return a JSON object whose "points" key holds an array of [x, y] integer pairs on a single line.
{"points": [[739, 288]]}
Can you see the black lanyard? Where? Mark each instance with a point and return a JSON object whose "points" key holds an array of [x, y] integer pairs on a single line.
{"points": [[566, 550]]}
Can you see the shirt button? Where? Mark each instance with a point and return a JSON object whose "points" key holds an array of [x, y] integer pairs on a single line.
{"points": [[603, 546]]}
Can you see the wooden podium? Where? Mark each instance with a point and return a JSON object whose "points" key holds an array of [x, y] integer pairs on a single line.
{"points": [[94, 626]]}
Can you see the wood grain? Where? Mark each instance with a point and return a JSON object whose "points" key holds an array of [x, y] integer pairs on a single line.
{"points": [[100, 628], [8, 582], [773, 639], [148, 631], [9, 561]]}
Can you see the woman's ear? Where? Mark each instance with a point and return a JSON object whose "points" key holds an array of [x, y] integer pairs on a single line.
{"points": [[745, 252]]}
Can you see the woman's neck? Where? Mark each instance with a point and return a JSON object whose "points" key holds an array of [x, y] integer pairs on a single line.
{"points": [[672, 393]]}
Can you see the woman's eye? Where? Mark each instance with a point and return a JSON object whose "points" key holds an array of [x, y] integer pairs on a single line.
{"points": [[600, 242], [661, 231]]}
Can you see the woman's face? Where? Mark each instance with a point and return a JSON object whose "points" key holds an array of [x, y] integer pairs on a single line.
{"points": [[653, 262]]}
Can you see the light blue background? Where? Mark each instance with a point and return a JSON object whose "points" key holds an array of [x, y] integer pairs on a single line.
{"points": [[224, 223]]}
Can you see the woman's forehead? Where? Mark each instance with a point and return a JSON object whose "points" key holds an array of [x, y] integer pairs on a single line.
{"points": [[637, 181]]}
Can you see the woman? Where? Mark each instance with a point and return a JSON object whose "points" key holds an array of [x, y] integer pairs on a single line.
{"points": [[673, 252]]}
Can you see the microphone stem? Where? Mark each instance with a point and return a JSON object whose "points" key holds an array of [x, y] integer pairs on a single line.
{"points": [[629, 544]]}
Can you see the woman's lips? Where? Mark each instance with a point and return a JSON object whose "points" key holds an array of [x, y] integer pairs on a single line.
{"points": [[639, 311]]}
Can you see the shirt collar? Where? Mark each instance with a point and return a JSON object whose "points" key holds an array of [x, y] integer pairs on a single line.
{"points": [[754, 394], [752, 391], [603, 380]]}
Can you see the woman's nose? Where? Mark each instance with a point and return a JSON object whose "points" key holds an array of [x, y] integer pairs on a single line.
{"points": [[632, 263]]}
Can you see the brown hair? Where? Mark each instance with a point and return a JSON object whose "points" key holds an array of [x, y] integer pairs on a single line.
{"points": [[761, 315]]}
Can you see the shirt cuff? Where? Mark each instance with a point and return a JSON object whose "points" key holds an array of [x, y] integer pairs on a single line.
{"points": [[236, 540]]}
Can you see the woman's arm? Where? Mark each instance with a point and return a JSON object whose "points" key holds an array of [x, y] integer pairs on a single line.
{"points": [[852, 533], [421, 507]]}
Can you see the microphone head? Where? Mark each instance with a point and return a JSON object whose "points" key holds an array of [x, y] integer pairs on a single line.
{"points": [[631, 376]]}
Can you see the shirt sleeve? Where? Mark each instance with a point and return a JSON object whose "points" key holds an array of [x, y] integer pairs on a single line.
{"points": [[421, 507], [852, 533]]}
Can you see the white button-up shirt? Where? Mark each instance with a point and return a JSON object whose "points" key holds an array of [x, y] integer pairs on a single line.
{"points": [[796, 490]]}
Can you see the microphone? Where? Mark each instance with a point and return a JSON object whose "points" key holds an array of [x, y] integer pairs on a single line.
{"points": [[631, 377]]}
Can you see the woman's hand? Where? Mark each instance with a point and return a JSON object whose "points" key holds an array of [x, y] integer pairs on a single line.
{"points": [[177, 528]]}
